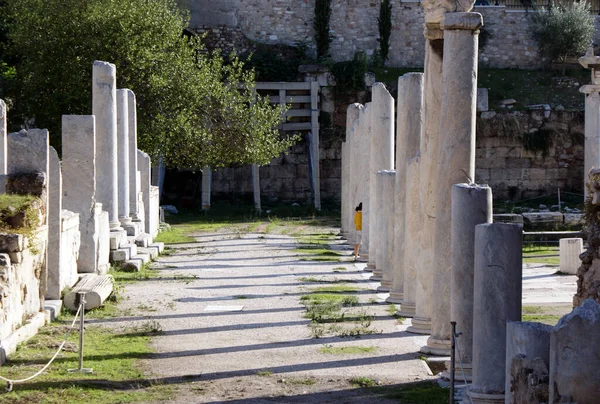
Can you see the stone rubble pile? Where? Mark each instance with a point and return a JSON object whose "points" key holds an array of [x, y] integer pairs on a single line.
{"points": [[431, 238]]}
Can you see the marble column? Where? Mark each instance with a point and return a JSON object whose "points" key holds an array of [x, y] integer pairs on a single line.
{"points": [[497, 300], [123, 178], [409, 122], [381, 156], [104, 108], [79, 184], [456, 157], [361, 145], [352, 113], [386, 240], [145, 166], [3, 147], [412, 240], [206, 187], [376, 254], [344, 190], [432, 101], [471, 205], [256, 187], [592, 113], [54, 231], [134, 185]]}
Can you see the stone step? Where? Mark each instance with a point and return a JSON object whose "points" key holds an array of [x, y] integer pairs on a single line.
{"points": [[158, 244], [143, 240], [152, 252], [96, 287], [124, 253]]}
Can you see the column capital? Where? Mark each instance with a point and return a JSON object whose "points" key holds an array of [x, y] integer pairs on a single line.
{"points": [[461, 21], [590, 88], [432, 31]]}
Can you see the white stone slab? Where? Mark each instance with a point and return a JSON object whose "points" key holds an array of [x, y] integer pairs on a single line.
{"points": [[224, 308]]}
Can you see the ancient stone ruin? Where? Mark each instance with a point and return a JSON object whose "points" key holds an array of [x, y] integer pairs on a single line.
{"points": [[96, 208]]}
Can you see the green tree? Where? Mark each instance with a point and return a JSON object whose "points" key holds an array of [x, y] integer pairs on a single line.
{"points": [[384, 22], [321, 27], [563, 31], [194, 108]]}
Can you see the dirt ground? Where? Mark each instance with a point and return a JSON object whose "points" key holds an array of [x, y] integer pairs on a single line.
{"points": [[232, 327]]}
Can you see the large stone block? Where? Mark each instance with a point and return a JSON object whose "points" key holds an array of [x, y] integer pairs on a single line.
{"points": [[54, 227], [575, 356], [570, 249]]}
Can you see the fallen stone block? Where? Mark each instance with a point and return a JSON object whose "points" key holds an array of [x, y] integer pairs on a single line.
{"points": [[543, 218], [120, 255], [97, 288]]}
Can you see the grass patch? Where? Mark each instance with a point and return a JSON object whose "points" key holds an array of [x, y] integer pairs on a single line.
{"points": [[363, 381], [264, 373], [545, 314], [416, 393], [347, 350], [336, 289], [176, 235], [339, 269], [303, 382], [538, 254], [240, 297], [123, 277], [112, 355], [313, 279], [19, 213]]}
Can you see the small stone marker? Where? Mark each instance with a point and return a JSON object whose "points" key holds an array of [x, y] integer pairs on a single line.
{"points": [[570, 249]]}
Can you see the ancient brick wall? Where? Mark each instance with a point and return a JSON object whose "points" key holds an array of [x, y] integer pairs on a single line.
{"points": [[354, 28]]}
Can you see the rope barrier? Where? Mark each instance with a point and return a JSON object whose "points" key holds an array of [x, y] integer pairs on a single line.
{"points": [[42, 370]]}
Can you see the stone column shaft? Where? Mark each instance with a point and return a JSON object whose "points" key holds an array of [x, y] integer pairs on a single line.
{"points": [[352, 114], [456, 157], [206, 187], [409, 123], [592, 129], [3, 133], [145, 167], [386, 219], [134, 186], [123, 155], [497, 300], [360, 170], [344, 189], [432, 101], [381, 157], [54, 223], [471, 205], [256, 187], [376, 254], [104, 108]]}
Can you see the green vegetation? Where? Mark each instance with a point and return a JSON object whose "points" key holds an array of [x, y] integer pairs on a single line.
{"points": [[363, 381], [545, 314], [350, 75], [339, 269], [321, 27], [535, 253], [175, 235], [264, 373], [112, 355], [565, 30], [347, 350], [185, 95], [19, 213], [416, 393], [384, 23]]}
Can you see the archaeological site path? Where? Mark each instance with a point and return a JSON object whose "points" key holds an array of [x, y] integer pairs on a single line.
{"points": [[234, 327]]}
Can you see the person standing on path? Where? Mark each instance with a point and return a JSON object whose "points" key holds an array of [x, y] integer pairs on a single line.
{"points": [[358, 225]]}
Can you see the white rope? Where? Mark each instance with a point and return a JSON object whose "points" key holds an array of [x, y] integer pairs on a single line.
{"points": [[39, 372], [462, 369]]}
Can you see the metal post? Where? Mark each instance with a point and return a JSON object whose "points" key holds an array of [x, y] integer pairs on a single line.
{"points": [[452, 361], [81, 329]]}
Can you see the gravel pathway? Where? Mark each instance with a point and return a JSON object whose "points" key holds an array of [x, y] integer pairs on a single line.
{"points": [[234, 327]]}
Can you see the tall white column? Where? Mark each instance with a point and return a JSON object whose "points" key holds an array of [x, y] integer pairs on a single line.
{"points": [[497, 300], [409, 123], [3, 133], [206, 187], [432, 102], [381, 157], [256, 187], [361, 144], [386, 240], [104, 108], [412, 240], [352, 113], [456, 157], [471, 205], [376, 228], [134, 186], [592, 114], [123, 156], [344, 199]]}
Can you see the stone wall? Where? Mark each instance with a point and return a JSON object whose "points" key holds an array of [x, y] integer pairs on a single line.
{"points": [[502, 161], [235, 23]]}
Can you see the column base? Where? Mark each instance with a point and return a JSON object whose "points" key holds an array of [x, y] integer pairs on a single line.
{"points": [[407, 309], [438, 347], [370, 265], [383, 288], [480, 397], [386, 286], [115, 226], [467, 368], [375, 277], [420, 325], [395, 296]]}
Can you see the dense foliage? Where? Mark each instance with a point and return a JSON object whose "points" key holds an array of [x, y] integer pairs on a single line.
{"points": [[350, 75], [194, 108], [321, 27], [563, 30], [384, 22]]}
